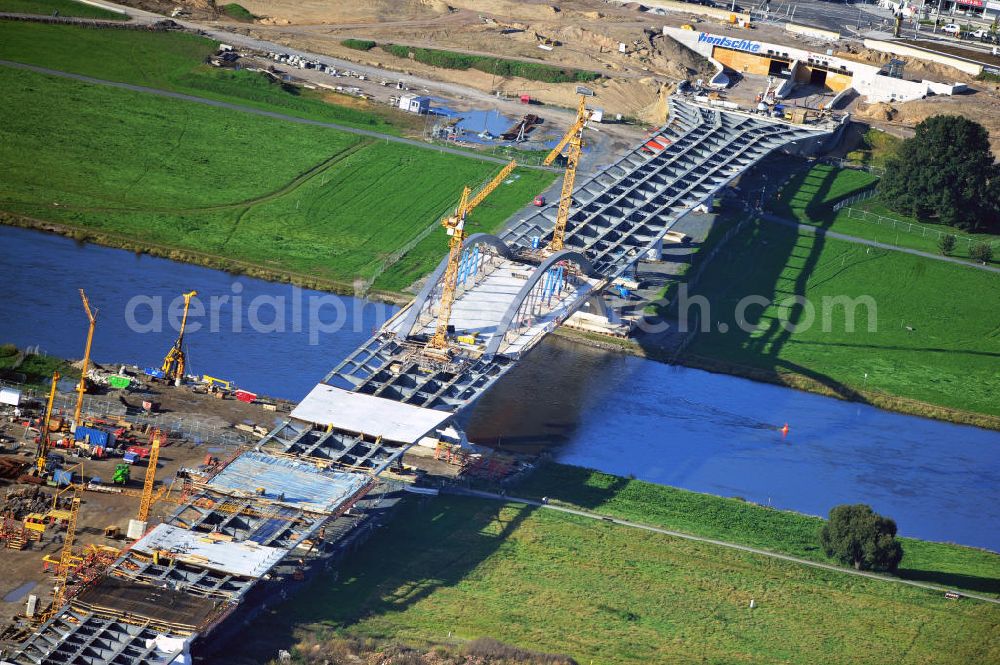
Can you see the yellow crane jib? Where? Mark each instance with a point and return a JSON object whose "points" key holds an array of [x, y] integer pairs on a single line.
{"points": [[82, 387], [573, 139], [455, 226], [173, 363]]}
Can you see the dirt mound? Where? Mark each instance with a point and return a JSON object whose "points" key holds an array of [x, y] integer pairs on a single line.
{"points": [[674, 59], [881, 111], [982, 107]]}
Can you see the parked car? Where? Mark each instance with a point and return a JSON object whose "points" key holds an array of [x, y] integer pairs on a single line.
{"points": [[952, 29], [977, 34]]}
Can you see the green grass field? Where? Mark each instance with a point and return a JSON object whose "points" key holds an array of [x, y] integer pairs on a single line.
{"points": [[447, 570], [287, 197], [948, 359], [809, 197], [176, 61], [64, 7], [733, 520]]}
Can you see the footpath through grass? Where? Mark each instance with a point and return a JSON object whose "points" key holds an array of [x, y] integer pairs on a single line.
{"points": [[177, 62], [62, 7], [283, 197], [451, 569], [737, 521], [809, 198], [919, 328]]}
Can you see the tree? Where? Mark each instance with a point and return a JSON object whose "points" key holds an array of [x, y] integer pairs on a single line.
{"points": [[946, 244], [858, 536], [982, 251], [946, 171]]}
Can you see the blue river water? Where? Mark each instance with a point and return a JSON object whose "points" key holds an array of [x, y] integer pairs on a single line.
{"points": [[692, 429]]}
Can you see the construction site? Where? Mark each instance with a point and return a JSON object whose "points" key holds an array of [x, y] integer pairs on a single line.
{"points": [[151, 513], [136, 544]]}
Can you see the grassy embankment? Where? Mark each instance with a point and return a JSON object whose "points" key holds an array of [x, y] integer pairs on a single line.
{"points": [[63, 7], [447, 570], [809, 197], [533, 71], [238, 12], [744, 523], [238, 191], [30, 369], [218, 187], [176, 62], [933, 342]]}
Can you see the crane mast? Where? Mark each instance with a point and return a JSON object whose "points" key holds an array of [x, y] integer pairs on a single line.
{"points": [[173, 363], [147, 489], [573, 139], [43, 436], [455, 226], [65, 558], [82, 387]]}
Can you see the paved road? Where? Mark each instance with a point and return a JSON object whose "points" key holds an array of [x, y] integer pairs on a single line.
{"points": [[266, 114], [881, 245], [711, 541]]}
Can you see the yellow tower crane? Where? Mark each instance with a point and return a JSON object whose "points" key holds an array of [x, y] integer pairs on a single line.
{"points": [[573, 139], [147, 489], [43, 436], [65, 559], [82, 387], [455, 226], [173, 363]]}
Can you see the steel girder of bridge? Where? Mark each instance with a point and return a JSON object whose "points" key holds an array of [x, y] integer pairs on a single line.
{"points": [[624, 209], [621, 212]]}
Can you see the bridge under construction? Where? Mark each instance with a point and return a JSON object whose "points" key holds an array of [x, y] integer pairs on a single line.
{"points": [[257, 527]]}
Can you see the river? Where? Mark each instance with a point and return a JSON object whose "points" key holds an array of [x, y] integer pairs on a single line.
{"points": [[677, 426]]}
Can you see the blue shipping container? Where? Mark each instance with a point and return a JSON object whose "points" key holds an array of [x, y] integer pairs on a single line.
{"points": [[130, 458], [97, 437]]}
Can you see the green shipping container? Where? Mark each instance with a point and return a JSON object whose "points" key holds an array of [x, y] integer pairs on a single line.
{"points": [[119, 381]]}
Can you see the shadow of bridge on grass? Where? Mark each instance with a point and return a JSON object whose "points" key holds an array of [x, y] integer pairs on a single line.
{"points": [[429, 544]]}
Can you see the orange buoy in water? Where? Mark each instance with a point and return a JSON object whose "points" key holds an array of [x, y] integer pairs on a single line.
{"points": [[784, 431]]}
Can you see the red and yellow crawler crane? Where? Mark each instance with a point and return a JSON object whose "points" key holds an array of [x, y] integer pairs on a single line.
{"points": [[574, 140], [437, 346], [82, 386], [173, 363]]}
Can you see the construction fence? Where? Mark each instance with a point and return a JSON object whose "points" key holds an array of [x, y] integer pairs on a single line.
{"points": [[109, 407], [921, 230]]}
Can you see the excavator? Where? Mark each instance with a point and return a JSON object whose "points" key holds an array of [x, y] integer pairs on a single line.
{"points": [[173, 363], [574, 140]]}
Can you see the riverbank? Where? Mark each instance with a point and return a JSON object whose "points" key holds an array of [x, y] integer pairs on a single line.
{"points": [[742, 522], [786, 379], [225, 264], [447, 570]]}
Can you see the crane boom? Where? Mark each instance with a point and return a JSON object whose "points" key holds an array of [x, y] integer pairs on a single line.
{"points": [[573, 139], [173, 363], [82, 387], [455, 227]]}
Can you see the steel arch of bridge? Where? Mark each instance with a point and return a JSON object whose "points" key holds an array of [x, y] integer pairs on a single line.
{"points": [[426, 298], [524, 297]]}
